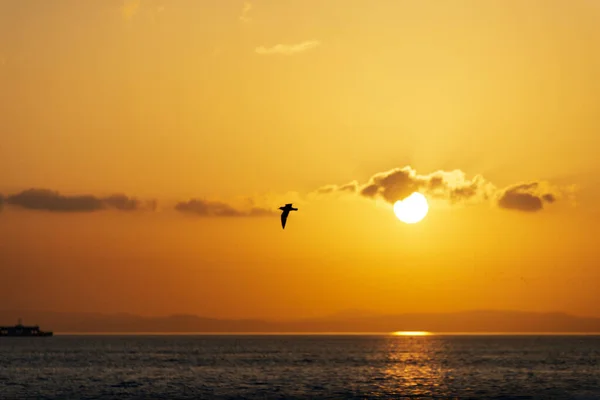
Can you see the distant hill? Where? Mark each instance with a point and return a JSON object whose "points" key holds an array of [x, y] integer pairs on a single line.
{"points": [[467, 322]]}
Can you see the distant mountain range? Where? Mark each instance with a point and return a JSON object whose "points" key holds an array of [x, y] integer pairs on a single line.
{"points": [[352, 321]]}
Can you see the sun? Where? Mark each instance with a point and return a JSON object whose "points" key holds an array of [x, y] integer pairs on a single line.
{"points": [[412, 209], [411, 333]]}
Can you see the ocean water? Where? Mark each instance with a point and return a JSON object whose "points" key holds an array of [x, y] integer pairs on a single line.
{"points": [[295, 367]]}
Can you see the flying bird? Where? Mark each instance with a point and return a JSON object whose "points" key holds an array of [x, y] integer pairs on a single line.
{"points": [[285, 211]]}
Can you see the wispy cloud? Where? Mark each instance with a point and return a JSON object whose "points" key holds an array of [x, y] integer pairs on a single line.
{"points": [[130, 8], [245, 11], [288, 49]]}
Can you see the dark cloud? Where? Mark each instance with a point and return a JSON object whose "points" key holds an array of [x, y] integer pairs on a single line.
{"points": [[369, 190], [399, 183], [206, 208], [525, 197], [48, 200], [393, 185]]}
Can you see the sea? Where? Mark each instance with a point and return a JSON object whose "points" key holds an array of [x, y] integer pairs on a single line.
{"points": [[300, 367]]}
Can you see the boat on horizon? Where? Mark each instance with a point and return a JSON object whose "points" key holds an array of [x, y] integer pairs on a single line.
{"points": [[21, 330]]}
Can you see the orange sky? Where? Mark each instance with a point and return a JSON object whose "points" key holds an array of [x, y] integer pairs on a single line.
{"points": [[252, 105]]}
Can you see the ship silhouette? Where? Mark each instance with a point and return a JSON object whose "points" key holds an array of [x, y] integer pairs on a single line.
{"points": [[21, 330]]}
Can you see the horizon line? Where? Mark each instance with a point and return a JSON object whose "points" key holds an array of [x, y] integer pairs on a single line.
{"points": [[394, 333]]}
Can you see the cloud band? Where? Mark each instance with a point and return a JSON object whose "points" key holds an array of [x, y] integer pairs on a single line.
{"points": [[52, 201], [453, 186]]}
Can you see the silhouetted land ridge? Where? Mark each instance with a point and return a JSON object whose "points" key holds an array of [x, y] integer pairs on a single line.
{"points": [[468, 321]]}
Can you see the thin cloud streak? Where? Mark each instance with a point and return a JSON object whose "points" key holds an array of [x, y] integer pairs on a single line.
{"points": [[288, 49], [205, 208]]}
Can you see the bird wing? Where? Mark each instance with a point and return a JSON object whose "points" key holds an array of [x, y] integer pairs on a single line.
{"points": [[284, 216]]}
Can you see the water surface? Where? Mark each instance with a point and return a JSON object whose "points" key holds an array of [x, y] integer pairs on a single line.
{"points": [[296, 366]]}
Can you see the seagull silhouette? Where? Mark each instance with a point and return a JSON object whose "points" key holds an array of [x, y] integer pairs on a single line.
{"points": [[286, 210]]}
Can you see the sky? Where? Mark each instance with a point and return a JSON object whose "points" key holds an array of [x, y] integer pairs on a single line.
{"points": [[146, 146]]}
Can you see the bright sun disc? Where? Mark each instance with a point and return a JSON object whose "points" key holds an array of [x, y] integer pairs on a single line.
{"points": [[412, 333], [412, 209]]}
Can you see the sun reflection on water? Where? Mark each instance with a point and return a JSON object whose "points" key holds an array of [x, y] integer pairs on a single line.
{"points": [[415, 365]]}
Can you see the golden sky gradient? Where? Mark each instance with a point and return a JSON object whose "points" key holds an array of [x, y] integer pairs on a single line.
{"points": [[207, 115]]}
